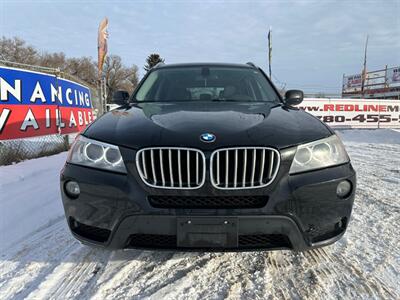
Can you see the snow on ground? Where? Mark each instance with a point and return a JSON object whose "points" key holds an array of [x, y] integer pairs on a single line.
{"points": [[384, 136], [39, 259], [29, 194]]}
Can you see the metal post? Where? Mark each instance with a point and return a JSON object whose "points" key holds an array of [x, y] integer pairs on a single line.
{"points": [[364, 73], [100, 95], [270, 52], [343, 84], [104, 86], [386, 85]]}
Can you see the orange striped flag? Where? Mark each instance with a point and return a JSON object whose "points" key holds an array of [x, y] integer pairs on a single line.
{"points": [[102, 44]]}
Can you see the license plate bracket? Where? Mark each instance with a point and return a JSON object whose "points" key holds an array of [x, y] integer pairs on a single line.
{"points": [[207, 232]]}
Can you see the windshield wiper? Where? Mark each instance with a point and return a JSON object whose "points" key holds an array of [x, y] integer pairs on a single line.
{"points": [[225, 100], [247, 101], [161, 101]]}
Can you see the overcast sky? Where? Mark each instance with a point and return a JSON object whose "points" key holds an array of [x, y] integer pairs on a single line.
{"points": [[314, 43]]}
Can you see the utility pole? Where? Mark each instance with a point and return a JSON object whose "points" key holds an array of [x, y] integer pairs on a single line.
{"points": [[270, 51], [105, 93], [364, 72], [343, 84], [100, 94]]}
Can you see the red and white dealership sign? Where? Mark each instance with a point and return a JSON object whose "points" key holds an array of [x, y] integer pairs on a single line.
{"points": [[354, 113], [35, 104]]}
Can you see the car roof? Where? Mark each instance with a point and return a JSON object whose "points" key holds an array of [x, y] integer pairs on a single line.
{"points": [[199, 64]]}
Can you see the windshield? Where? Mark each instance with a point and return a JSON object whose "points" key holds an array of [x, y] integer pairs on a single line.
{"points": [[206, 83]]}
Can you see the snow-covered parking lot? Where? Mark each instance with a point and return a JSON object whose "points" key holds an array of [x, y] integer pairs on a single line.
{"points": [[39, 259]]}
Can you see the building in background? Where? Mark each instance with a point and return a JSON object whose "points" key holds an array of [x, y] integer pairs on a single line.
{"points": [[380, 84]]}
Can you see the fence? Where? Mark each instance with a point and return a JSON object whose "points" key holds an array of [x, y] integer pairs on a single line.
{"points": [[12, 151]]}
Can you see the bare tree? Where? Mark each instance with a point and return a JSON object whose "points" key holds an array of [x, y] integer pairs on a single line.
{"points": [[84, 68], [119, 77], [16, 50], [52, 60], [132, 81]]}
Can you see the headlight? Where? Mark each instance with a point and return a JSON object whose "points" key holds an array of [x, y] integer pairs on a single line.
{"points": [[91, 153], [319, 154]]}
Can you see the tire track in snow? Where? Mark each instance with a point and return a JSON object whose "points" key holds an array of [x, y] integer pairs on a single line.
{"points": [[142, 263], [171, 272], [68, 281], [206, 269], [38, 255]]}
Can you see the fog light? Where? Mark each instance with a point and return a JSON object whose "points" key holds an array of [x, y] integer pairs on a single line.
{"points": [[343, 189], [72, 189]]}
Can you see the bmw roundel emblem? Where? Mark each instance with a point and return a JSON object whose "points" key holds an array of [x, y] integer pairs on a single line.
{"points": [[207, 137]]}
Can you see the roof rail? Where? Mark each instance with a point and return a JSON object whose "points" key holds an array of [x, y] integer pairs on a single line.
{"points": [[251, 64], [161, 63]]}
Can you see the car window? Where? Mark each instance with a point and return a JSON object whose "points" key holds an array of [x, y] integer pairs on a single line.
{"points": [[205, 83], [147, 84]]}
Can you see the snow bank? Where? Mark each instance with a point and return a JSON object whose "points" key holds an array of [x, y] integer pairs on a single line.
{"points": [[29, 197], [382, 136]]}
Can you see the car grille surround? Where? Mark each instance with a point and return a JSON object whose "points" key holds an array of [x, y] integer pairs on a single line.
{"points": [[244, 167], [231, 168], [171, 167]]}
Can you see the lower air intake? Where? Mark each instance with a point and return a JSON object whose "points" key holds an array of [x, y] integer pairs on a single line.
{"points": [[208, 202], [257, 241], [152, 241], [89, 232], [264, 241]]}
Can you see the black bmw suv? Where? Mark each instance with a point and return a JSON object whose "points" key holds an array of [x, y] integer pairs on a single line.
{"points": [[208, 156]]}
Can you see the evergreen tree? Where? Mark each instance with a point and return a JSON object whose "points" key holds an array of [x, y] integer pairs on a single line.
{"points": [[152, 60]]}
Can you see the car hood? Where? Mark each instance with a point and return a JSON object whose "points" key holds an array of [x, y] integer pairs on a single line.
{"points": [[181, 124]]}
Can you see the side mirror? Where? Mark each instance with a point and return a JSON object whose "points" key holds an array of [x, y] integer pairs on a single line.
{"points": [[120, 97], [294, 97]]}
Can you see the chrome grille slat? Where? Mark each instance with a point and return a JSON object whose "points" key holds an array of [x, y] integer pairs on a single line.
{"points": [[152, 166], [179, 168], [253, 169], [218, 168], [262, 165], [162, 168], [271, 162], [144, 165], [171, 167], [226, 168], [197, 167], [171, 173], [188, 167], [235, 169], [244, 167]]}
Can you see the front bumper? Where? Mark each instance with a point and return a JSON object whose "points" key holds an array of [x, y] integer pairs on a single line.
{"points": [[302, 212]]}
